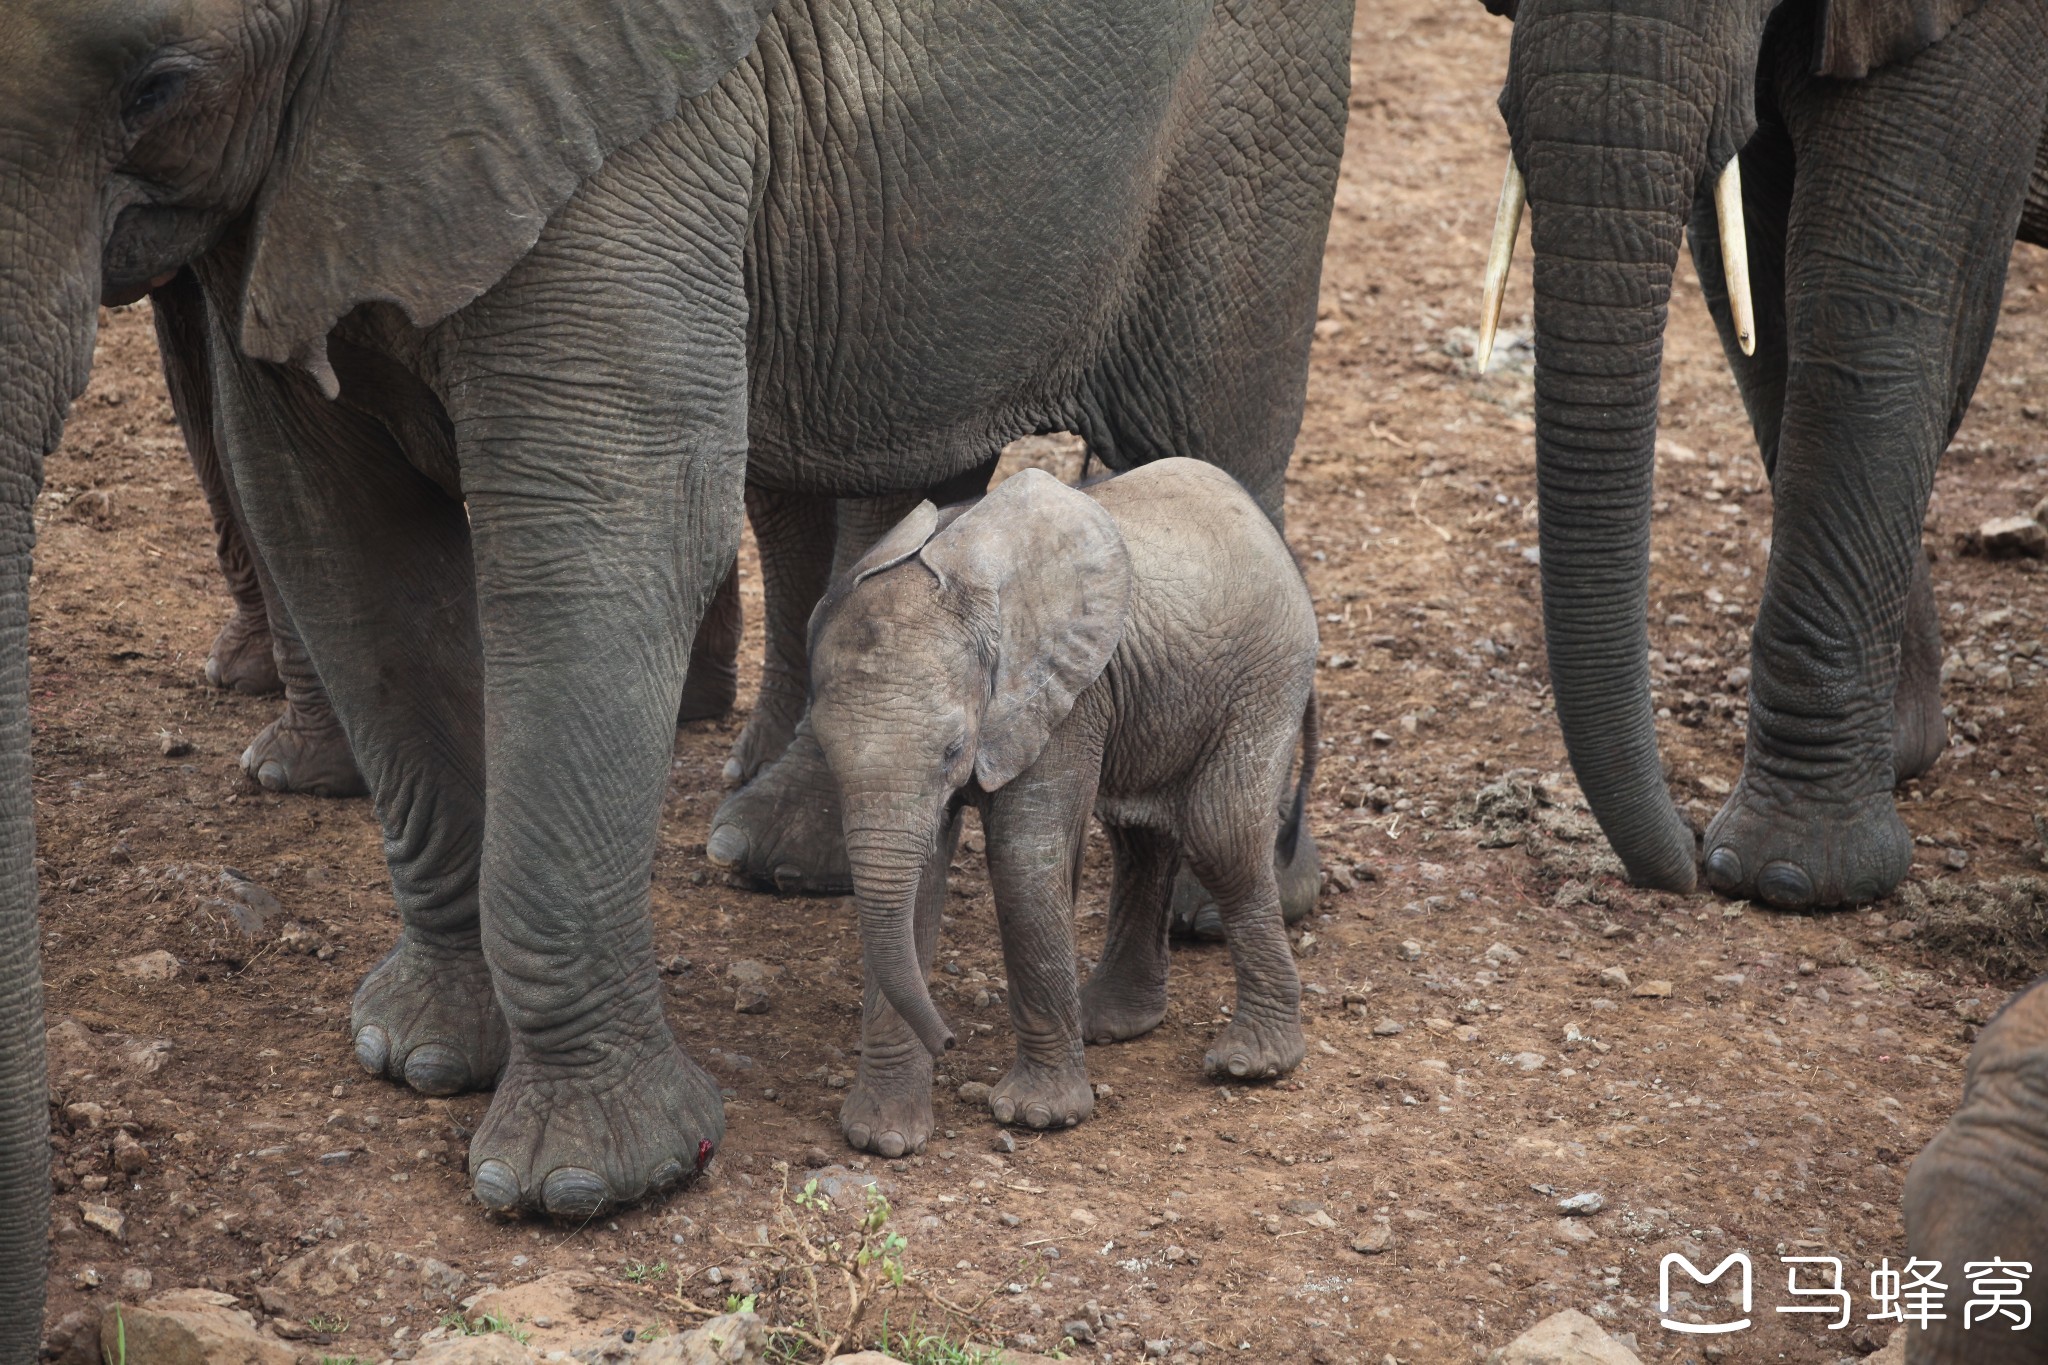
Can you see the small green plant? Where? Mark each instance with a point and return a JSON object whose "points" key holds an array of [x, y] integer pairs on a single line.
{"points": [[740, 1303], [327, 1322], [640, 1272], [117, 1353], [483, 1325]]}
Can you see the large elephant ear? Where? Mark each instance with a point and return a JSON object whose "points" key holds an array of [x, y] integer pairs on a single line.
{"points": [[435, 138], [1858, 36], [1056, 567]]}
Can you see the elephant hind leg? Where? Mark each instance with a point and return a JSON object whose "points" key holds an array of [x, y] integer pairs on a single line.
{"points": [[1920, 731], [712, 682], [1125, 996]]}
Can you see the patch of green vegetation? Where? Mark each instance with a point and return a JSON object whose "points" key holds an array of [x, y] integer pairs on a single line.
{"points": [[484, 1324], [327, 1322], [116, 1352], [640, 1272]]}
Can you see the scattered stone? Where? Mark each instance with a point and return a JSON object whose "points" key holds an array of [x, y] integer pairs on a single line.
{"points": [[974, 1092], [1410, 950], [173, 746], [75, 1340], [106, 1218], [1374, 1240], [1582, 1205], [191, 1327], [1567, 1338], [1500, 955], [2006, 537], [1955, 859], [1082, 1216], [1614, 979], [440, 1279], [751, 981], [1080, 1331], [157, 965], [1004, 1143], [1387, 1028], [490, 1349], [733, 1339], [1527, 1061], [84, 1114], [1576, 1230], [1807, 968], [1652, 990], [146, 1056], [130, 1156], [137, 1280]]}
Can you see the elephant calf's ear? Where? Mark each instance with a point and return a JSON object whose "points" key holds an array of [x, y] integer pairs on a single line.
{"points": [[1504, 8], [1858, 36], [1057, 568], [435, 138]]}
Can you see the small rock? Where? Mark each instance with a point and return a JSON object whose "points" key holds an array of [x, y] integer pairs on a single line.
{"points": [[2004, 537], [1576, 1230], [75, 1340], [1079, 1330], [490, 1349], [1387, 1028], [173, 746], [1410, 950], [105, 1217], [974, 1092], [151, 966], [1374, 1240], [1527, 1061], [1807, 968], [1004, 1143], [1582, 1205], [130, 1156], [84, 1114], [751, 1000], [1567, 1338], [191, 1327], [1500, 955], [137, 1281], [1652, 990], [1081, 1216], [734, 1339], [1614, 978], [440, 1279]]}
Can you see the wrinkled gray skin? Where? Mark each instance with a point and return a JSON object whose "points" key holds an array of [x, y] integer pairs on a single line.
{"points": [[498, 307], [1977, 1190], [1144, 649], [1883, 180]]}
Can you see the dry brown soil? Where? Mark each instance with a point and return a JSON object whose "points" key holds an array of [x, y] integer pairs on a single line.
{"points": [[1760, 1105]]}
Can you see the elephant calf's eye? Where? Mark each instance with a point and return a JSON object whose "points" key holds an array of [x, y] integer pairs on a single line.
{"points": [[954, 749]]}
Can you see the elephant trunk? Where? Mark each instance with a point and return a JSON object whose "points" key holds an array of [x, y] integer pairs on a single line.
{"points": [[890, 868], [1611, 174], [46, 337]]}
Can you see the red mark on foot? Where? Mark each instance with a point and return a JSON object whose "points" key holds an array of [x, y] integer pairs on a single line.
{"points": [[704, 1150]]}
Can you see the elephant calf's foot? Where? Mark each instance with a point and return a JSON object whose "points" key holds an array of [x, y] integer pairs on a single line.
{"points": [[889, 1110], [241, 659], [304, 750], [1254, 1048], [573, 1140], [1920, 731], [782, 830], [1815, 857], [1116, 1010], [1043, 1097], [426, 1016], [1195, 914]]}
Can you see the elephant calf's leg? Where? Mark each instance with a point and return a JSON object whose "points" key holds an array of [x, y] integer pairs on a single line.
{"points": [[889, 1110], [1234, 861], [305, 749], [793, 534], [1125, 996]]}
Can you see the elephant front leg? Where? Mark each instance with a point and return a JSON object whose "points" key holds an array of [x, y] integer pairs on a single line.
{"points": [[793, 534], [1035, 829], [1843, 694], [889, 1110]]}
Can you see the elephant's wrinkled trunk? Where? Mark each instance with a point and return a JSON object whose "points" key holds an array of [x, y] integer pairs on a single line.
{"points": [[889, 871], [1607, 222], [47, 317]]}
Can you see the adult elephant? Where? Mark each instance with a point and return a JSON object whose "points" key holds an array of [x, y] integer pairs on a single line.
{"points": [[1885, 148], [496, 308]]}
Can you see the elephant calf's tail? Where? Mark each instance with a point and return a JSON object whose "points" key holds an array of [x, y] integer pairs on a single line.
{"points": [[1311, 741]]}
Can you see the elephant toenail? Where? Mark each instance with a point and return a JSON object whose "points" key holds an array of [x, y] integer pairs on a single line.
{"points": [[1240, 1065], [1785, 885], [859, 1136], [373, 1049], [1724, 869], [1003, 1107], [272, 777], [667, 1175], [436, 1069], [495, 1186], [1038, 1116], [727, 846], [891, 1145], [789, 877], [572, 1192], [732, 770]]}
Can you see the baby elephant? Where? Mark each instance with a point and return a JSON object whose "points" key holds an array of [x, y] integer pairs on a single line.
{"points": [[1144, 649]]}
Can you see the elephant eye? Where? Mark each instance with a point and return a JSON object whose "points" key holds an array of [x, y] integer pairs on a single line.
{"points": [[954, 749], [153, 94]]}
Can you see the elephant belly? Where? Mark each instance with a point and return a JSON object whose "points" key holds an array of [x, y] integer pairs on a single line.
{"points": [[954, 200]]}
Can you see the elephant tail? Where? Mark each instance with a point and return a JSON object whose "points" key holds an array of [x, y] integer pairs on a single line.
{"points": [[1297, 815]]}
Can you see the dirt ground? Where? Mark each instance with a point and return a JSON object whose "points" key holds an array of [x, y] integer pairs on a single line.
{"points": [[1468, 1066]]}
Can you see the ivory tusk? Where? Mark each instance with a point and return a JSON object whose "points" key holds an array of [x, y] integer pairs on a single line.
{"points": [[1507, 221], [1735, 253]]}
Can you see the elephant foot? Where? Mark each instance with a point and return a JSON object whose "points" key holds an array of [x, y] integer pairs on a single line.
{"points": [[709, 690], [1117, 1010], [769, 730], [1252, 1048], [1043, 1097], [573, 1139], [241, 659], [889, 1110], [304, 750], [1814, 857], [782, 830], [426, 1016]]}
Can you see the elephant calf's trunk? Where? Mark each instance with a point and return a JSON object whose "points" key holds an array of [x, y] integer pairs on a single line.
{"points": [[888, 885]]}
